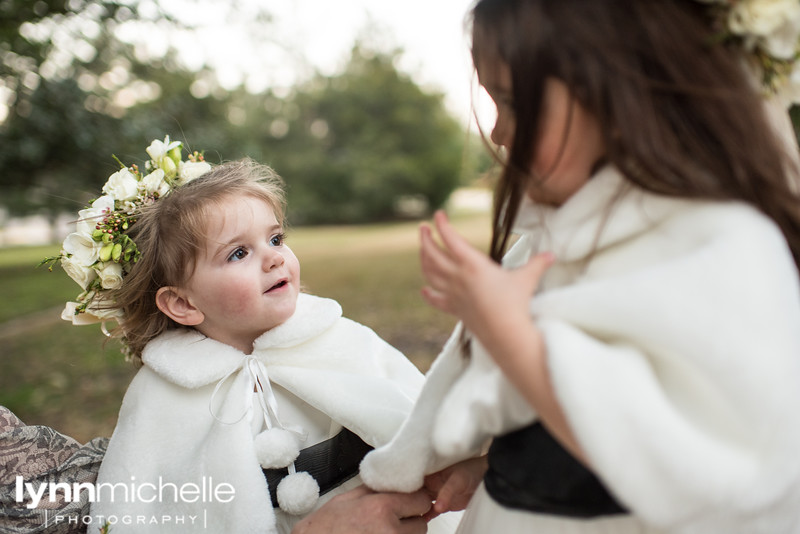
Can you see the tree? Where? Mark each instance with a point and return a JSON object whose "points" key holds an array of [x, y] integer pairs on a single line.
{"points": [[75, 93], [358, 144], [56, 129]]}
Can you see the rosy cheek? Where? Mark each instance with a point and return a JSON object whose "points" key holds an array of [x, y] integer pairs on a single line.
{"points": [[233, 299]]}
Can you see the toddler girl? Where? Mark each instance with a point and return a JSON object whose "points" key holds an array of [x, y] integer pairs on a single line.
{"points": [[253, 398]]}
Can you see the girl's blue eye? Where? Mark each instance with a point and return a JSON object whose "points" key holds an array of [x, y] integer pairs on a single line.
{"points": [[238, 254], [277, 240]]}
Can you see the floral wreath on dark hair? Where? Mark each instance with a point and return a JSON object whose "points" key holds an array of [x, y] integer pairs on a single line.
{"points": [[769, 31], [99, 253]]}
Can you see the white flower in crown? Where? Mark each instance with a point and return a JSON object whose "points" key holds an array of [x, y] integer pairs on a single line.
{"points": [[769, 30], [102, 307], [155, 183], [189, 170], [772, 24], [110, 274], [122, 185], [99, 253], [82, 248], [89, 217], [160, 149], [82, 274], [165, 155], [71, 313]]}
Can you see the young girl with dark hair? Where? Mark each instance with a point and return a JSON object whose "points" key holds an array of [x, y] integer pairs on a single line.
{"points": [[634, 364]]}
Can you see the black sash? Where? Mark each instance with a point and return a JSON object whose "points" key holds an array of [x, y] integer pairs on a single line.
{"points": [[530, 470], [331, 463]]}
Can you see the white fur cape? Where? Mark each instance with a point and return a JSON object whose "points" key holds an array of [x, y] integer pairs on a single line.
{"points": [[166, 432], [674, 351]]}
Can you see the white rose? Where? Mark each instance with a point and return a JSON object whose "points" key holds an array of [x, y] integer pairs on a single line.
{"points": [[190, 170], [80, 273], [154, 183], [775, 23], [77, 318], [122, 185], [89, 217], [110, 275], [783, 42], [82, 248], [103, 309]]}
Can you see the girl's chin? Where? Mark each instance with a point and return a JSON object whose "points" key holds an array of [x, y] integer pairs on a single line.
{"points": [[284, 309]]}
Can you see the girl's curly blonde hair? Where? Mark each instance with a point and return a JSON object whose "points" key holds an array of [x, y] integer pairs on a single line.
{"points": [[171, 234]]}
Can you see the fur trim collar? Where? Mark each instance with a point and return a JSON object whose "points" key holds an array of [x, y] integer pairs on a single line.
{"points": [[188, 358]]}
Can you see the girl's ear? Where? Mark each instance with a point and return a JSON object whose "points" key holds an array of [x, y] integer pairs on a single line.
{"points": [[171, 301]]}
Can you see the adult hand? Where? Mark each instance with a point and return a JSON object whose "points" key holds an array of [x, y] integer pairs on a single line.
{"points": [[452, 488], [363, 511]]}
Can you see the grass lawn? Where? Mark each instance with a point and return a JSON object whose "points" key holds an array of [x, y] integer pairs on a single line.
{"points": [[63, 376]]}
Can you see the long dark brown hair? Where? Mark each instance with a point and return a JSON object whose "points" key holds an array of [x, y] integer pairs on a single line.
{"points": [[679, 115]]}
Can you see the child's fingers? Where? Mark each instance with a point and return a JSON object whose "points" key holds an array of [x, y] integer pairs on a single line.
{"points": [[536, 267], [428, 246], [453, 242], [436, 299], [434, 482], [435, 263], [442, 504]]}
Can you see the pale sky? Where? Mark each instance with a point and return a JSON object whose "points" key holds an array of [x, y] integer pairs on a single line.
{"points": [[321, 33], [430, 31]]}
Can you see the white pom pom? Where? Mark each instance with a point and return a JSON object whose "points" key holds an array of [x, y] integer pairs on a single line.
{"points": [[298, 493], [276, 448]]}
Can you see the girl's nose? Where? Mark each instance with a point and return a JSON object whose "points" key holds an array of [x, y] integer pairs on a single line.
{"points": [[272, 258], [495, 136], [499, 135]]}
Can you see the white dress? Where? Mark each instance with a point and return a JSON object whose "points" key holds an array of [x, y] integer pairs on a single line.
{"points": [[672, 330]]}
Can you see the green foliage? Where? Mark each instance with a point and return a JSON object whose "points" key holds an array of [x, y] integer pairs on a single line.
{"points": [[47, 156], [55, 143], [359, 146], [26, 289], [363, 140]]}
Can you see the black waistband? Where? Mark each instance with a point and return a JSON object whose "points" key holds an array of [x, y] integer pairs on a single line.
{"points": [[530, 470], [331, 462]]}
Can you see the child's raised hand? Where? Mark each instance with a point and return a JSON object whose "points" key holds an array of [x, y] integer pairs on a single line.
{"points": [[466, 283]]}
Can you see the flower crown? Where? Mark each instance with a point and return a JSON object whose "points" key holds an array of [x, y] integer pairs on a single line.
{"points": [[99, 253], [769, 31]]}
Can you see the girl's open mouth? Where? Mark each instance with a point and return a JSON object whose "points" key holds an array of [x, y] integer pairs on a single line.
{"points": [[278, 285]]}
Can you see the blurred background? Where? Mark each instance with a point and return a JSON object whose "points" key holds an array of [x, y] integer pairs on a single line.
{"points": [[363, 107]]}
